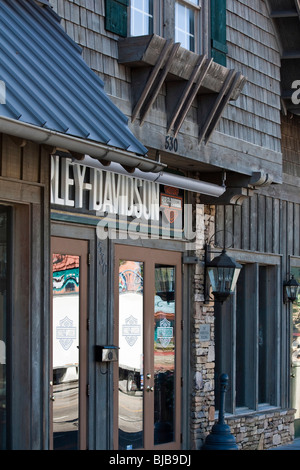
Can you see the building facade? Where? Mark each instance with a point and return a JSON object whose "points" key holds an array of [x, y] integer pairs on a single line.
{"points": [[172, 131]]}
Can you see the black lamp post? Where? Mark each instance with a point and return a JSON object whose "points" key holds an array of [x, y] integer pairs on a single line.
{"points": [[223, 273], [291, 290], [220, 437]]}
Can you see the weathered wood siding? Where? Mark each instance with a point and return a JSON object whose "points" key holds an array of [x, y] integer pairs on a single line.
{"points": [[262, 224], [291, 147], [24, 185], [253, 49], [269, 221]]}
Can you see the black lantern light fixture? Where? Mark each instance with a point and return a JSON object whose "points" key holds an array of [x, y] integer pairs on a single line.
{"points": [[291, 290], [222, 272]]}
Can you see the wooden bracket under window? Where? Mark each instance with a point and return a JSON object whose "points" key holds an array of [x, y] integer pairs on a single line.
{"points": [[188, 79], [211, 107], [151, 87], [189, 92]]}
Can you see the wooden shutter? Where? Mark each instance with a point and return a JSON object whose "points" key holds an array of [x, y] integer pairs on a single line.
{"points": [[218, 31], [116, 16]]}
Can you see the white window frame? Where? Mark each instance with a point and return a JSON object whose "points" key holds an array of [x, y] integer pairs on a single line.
{"points": [[164, 21], [144, 13], [187, 7]]}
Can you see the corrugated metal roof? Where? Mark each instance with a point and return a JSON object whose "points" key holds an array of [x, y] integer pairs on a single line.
{"points": [[49, 85]]}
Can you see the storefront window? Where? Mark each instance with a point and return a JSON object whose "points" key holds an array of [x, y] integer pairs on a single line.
{"points": [[4, 306], [245, 331]]}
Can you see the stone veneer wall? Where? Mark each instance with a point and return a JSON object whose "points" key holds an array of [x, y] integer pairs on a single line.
{"points": [[202, 353], [255, 431], [259, 431]]}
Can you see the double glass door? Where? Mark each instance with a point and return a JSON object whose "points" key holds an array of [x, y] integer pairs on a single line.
{"points": [[148, 334]]}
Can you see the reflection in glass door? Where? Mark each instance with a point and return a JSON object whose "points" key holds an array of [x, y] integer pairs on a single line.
{"points": [[295, 359], [148, 374], [68, 346], [164, 354], [131, 379]]}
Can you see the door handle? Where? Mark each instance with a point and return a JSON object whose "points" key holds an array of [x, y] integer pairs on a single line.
{"points": [[149, 389]]}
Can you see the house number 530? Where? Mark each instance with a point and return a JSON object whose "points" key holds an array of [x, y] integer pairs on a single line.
{"points": [[171, 143]]}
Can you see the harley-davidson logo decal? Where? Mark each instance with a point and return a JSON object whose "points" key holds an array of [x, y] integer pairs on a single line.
{"points": [[171, 203], [66, 333], [131, 330]]}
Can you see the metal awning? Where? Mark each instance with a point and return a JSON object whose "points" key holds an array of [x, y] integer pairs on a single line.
{"points": [[52, 96]]}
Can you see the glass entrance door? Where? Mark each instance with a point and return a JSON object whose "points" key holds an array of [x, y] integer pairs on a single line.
{"points": [[69, 339], [295, 356], [148, 328]]}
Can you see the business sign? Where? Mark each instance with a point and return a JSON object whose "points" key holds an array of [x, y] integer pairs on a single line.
{"points": [[116, 201], [106, 192]]}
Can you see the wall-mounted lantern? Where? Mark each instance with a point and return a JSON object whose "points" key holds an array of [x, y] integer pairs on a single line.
{"points": [[223, 273], [290, 290]]}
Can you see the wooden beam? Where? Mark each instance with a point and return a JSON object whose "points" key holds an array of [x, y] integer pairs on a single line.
{"points": [[157, 84], [232, 196], [189, 93], [151, 79], [49, 149], [19, 142], [218, 106]]}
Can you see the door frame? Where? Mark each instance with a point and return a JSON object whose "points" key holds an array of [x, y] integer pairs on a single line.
{"points": [[150, 256], [79, 247]]}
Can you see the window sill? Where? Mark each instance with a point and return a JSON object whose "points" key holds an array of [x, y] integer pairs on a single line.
{"points": [[265, 408]]}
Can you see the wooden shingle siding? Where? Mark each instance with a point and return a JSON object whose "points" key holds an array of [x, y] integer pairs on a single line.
{"points": [[252, 48]]}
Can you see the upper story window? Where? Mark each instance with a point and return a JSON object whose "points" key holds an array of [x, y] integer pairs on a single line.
{"points": [[187, 23], [141, 17]]}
